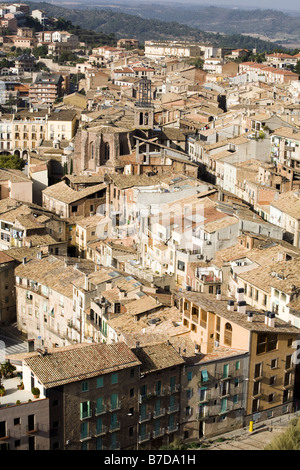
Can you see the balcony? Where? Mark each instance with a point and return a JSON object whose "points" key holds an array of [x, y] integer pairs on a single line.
{"points": [[5, 437], [158, 432], [100, 431], [115, 406], [100, 410], [85, 436], [224, 411], [144, 437], [160, 392], [173, 409], [174, 388], [86, 415], [226, 377], [202, 416], [115, 426], [144, 418], [204, 399], [115, 446], [159, 413], [32, 430], [172, 428]]}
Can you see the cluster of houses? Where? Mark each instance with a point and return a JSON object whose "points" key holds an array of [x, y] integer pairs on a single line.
{"points": [[150, 245]]}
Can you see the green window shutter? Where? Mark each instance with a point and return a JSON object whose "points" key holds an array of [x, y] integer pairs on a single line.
{"points": [[114, 378], [143, 410], [114, 400], [99, 382], [204, 375], [99, 404], [223, 405], [84, 386], [113, 419], [157, 405], [171, 420], [99, 443], [142, 429], [99, 424]]}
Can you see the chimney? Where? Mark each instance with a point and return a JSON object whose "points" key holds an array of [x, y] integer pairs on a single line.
{"points": [[240, 294], [230, 305], [267, 318], [241, 306], [137, 345], [271, 319], [86, 282], [39, 255], [249, 316], [108, 285]]}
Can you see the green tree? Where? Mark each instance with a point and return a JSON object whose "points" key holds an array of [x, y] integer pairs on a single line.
{"points": [[11, 161], [40, 51], [7, 369], [297, 67]]}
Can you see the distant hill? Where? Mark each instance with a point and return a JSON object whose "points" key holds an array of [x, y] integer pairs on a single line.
{"points": [[108, 21]]}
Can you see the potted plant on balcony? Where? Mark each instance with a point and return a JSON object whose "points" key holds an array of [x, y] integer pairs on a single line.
{"points": [[2, 391], [35, 392]]}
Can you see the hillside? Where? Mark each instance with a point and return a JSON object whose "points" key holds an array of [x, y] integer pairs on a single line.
{"points": [[127, 25]]}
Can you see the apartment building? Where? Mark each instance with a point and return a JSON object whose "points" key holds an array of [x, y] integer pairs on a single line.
{"points": [[271, 75], [175, 49], [61, 125], [28, 131], [285, 153], [159, 396], [214, 397], [284, 212], [7, 289], [54, 298], [45, 300], [281, 60], [46, 88], [25, 63], [25, 225], [105, 397], [89, 408], [216, 321]]}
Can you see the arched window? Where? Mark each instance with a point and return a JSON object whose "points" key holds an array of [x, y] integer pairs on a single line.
{"points": [[141, 119], [228, 334], [92, 151]]}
